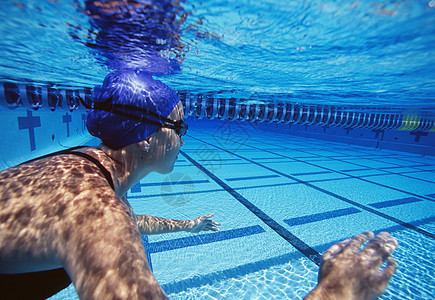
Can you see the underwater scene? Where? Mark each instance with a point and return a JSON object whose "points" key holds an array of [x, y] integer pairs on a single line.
{"points": [[309, 122]]}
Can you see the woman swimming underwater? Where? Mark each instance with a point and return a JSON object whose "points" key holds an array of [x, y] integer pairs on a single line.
{"points": [[66, 216]]}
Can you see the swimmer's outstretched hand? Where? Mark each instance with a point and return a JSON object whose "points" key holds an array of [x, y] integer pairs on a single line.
{"points": [[346, 273], [203, 223]]}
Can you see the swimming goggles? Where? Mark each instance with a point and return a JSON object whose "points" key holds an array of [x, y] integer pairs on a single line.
{"points": [[179, 126]]}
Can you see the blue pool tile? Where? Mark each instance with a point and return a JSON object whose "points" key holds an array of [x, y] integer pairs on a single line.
{"points": [[251, 177], [322, 216], [137, 187], [211, 278], [261, 158], [220, 159], [419, 166], [390, 168], [283, 232], [298, 243], [389, 203], [147, 196], [431, 195], [310, 173], [203, 239], [356, 170]]}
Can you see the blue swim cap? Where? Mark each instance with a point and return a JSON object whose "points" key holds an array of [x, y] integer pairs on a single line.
{"points": [[129, 87]]}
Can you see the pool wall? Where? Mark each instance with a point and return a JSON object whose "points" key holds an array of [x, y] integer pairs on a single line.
{"points": [[405, 141], [26, 134]]}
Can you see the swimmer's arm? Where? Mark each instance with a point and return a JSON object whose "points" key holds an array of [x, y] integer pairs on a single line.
{"points": [[154, 225], [104, 254]]}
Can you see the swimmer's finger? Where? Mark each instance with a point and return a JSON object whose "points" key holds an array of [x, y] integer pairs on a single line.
{"points": [[215, 223], [208, 216], [384, 252], [212, 227], [207, 221], [389, 270], [335, 249], [388, 247], [358, 241], [377, 242]]}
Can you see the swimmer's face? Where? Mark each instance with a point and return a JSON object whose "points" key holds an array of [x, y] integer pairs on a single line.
{"points": [[167, 143]]}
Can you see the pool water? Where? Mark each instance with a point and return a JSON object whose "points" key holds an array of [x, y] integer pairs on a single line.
{"points": [[281, 196], [273, 191]]}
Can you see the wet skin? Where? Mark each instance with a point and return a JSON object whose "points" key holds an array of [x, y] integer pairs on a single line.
{"points": [[347, 273]]}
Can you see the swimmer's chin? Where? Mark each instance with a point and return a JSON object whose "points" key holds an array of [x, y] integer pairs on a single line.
{"points": [[167, 170]]}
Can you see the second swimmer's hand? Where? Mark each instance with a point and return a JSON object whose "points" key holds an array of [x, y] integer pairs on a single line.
{"points": [[203, 223], [347, 273]]}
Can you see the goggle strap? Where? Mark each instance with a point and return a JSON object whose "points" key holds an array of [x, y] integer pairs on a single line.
{"points": [[105, 106], [109, 108]]}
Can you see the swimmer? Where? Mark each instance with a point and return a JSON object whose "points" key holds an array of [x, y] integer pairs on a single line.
{"points": [[70, 212], [65, 217]]}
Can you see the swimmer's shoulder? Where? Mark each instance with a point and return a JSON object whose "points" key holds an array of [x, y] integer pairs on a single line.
{"points": [[60, 169]]}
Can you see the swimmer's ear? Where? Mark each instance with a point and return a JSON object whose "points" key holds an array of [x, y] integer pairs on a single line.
{"points": [[145, 145]]}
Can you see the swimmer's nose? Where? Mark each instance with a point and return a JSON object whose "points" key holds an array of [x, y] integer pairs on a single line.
{"points": [[181, 142]]}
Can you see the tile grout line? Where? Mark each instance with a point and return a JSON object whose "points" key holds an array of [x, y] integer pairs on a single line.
{"points": [[309, 252], [332, 170], [355, 177], [356, 164], [398, 221], [341, 160]]}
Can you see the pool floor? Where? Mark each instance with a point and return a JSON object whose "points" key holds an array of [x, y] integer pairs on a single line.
{"points": [[282, 201]]}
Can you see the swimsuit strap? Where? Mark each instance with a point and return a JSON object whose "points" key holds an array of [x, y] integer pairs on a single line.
{"points": [[105, 172]]}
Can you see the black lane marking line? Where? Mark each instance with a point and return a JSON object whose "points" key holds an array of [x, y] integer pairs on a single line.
{"points": [[404, 224], [322, 216], [309, 252], [332, 170], [201, 239], [251, 177], [356, 177], [383, 169], [395, 202]]}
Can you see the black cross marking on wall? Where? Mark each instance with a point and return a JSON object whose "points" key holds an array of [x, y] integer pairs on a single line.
{"points": [[378, 131], [67, 119], [30, 122], [418, 135], [84, 122]]}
